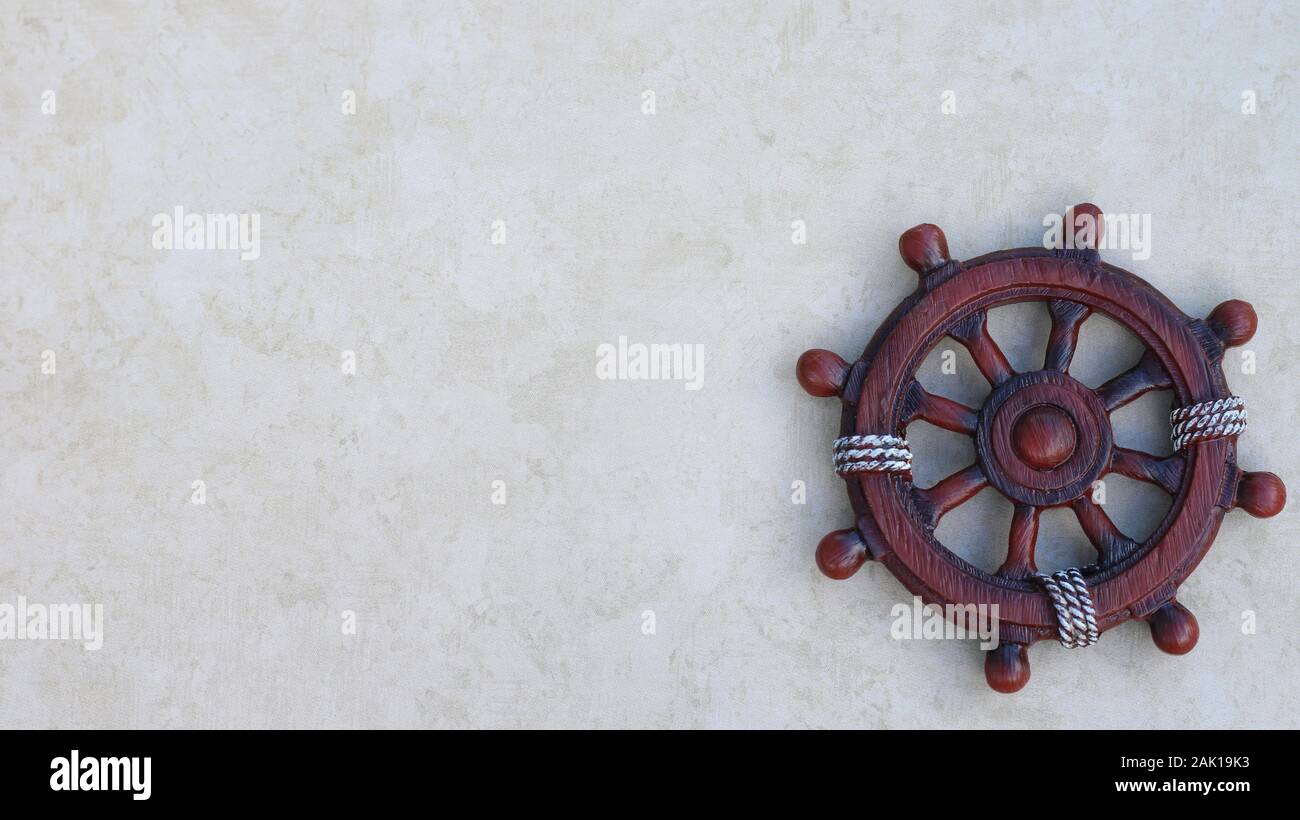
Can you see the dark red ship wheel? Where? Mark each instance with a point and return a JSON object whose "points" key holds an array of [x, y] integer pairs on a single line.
{"points": [[1041, 439]]}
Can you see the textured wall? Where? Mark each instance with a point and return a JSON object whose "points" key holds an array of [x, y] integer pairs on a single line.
{"points": [[372, 491]]}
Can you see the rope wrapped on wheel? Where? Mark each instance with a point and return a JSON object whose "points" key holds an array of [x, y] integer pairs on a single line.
{"points": [[1075, 615], [868, 454], [1217, 418]]}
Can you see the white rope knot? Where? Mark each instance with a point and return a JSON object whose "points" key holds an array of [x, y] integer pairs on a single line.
{"points": [[872, 454], [1217, 418], [1076, 618]]}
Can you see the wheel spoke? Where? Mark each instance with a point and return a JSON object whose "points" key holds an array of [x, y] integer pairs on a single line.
{"points": [[1111, 544], [1167, 473], [1141, 378], [973, 332], [1020, 546], [939, 411], [1067, 318], [938, 500]]}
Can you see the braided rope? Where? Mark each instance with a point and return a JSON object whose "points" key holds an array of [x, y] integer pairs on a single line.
{"points": [[871, 454], [1076, 618], [1207, 420]]}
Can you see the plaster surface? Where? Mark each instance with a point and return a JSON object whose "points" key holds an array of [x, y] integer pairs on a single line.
{"points": [[372, 492]]}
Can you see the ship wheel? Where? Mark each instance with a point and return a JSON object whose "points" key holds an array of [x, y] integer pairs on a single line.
{"points": [[1041, 439]]}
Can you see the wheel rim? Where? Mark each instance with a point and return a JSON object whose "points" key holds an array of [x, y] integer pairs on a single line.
{"points": [[885, 392]]}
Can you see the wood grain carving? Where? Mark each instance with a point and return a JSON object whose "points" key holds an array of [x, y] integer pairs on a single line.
{"points": [[1041, 439]]}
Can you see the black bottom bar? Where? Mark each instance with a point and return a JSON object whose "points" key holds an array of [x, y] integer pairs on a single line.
{"points": [[572, 769]]}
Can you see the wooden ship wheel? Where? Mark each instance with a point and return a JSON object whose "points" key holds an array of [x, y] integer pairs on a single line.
{"points": [[1041, 439]]}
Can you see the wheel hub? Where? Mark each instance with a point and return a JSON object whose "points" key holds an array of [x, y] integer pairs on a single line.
{"points": [[1043, 438]]}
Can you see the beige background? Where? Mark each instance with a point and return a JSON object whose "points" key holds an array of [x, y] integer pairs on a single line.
{"points": [[476, 363]]}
